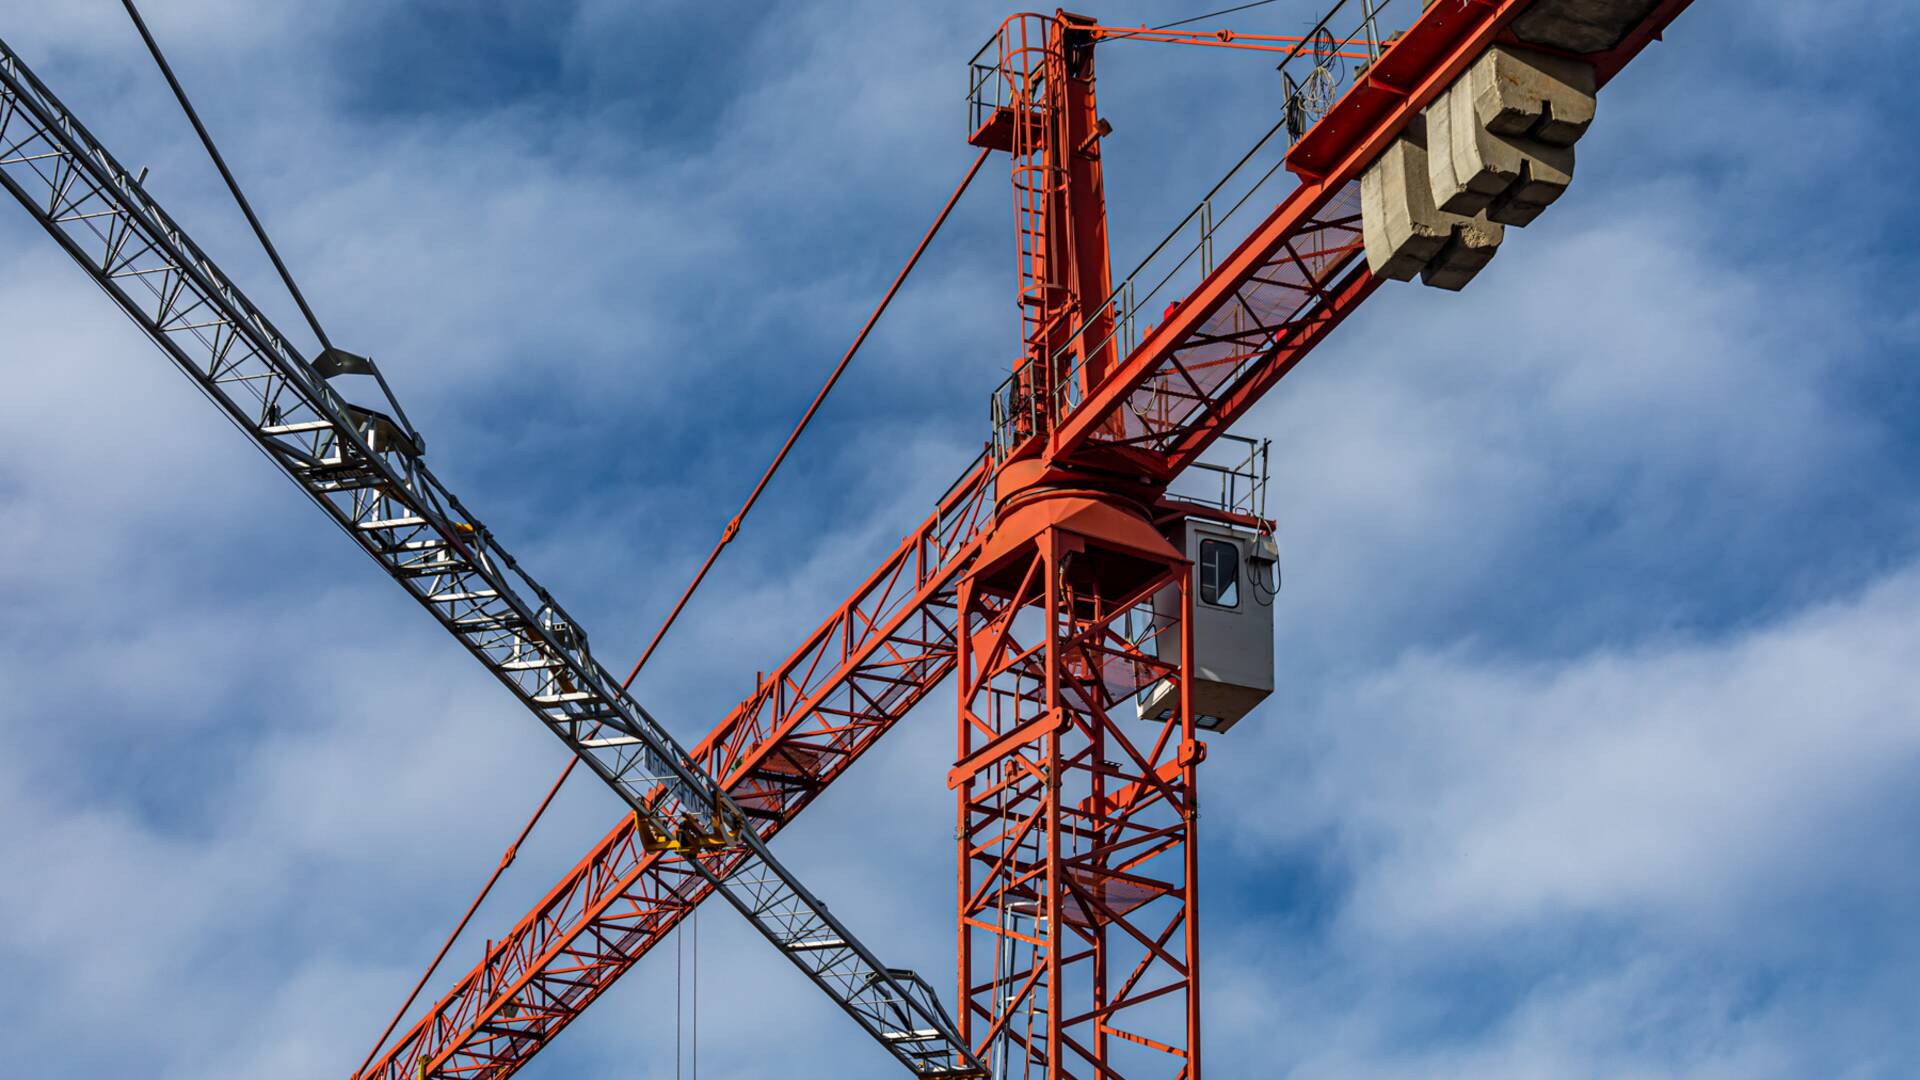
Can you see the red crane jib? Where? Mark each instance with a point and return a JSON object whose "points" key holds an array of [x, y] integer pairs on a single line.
{"points": [[894, 640]]}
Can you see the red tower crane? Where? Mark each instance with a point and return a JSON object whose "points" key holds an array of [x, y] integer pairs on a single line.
{"points": [[1130, 403], [1057, 578]]}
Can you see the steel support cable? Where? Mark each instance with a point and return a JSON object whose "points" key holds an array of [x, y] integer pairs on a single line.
{"points": [[206, 140], [733, 526], [506, 860], [726, 537], [1197, 18], [320, 333], [1213, 14], [253, 219]]}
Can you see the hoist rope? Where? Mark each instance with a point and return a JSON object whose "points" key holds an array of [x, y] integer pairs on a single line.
{"points": [[681, 997], [726, 537], [693, 1032]]}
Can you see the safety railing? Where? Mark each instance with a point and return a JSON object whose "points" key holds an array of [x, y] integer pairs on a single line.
{"points": [[1315, 74], [1234, 480], [987, 89]]}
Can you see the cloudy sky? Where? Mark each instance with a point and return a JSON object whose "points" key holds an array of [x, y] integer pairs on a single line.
{"points": [[1595, 754]]}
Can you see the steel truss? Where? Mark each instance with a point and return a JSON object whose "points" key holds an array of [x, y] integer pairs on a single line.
{"points": [[876, 657], [1078, 889], [1249, 320], [368, 475], [1297, 274]]}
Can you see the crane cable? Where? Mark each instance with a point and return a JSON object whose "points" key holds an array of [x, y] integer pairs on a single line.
{"points": [[1195, 18], [726, 537], [253, 219], [506, 860], [682, 997], [733, 526]]}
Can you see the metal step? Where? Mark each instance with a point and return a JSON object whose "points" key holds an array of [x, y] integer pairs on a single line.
{"points": [[390, 523], [296, 429], [451, 598], [611, 740], [815, 945]]}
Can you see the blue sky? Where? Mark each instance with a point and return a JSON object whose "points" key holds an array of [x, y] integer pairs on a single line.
{"points": [[1595, 751]]}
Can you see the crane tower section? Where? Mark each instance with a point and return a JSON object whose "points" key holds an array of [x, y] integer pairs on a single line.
{"points": [[1080, 700], [1077, 893]]}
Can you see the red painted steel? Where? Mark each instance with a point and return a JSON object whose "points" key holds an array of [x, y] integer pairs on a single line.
{"points": [[1077, 940], [880, 653], [1078, 890], [1288, 284], [1200, 370], [1060, 221]]}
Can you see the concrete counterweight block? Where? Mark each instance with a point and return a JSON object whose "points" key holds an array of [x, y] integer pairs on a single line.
{"points": [[1406, 235], [1402, 229], [1472, 246], [1509, 178], [1531, 95]]}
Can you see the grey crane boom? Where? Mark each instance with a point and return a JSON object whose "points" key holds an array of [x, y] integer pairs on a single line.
{"points": [[367, 473]]}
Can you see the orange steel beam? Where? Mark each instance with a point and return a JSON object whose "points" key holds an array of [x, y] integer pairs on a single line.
{"points": [[859, 672], [1202, 368], [870, 662], [1078, 890], [894, 635]]}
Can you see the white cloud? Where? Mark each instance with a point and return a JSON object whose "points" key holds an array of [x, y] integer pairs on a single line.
{"points": [[1679, 777], [282, 785]]}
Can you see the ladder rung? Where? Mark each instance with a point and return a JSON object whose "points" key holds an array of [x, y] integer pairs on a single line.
{"points": [[451, 566], [489, 622], [591, 716], [452, 597], [611, 740], [329, 487], [502, 1030], [295, 429]]}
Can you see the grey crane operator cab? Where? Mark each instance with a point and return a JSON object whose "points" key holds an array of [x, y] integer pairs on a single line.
{"points": [[1235, 576]]}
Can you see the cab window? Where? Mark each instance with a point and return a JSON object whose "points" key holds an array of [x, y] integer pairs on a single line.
{"points": [[1220, 573]]}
